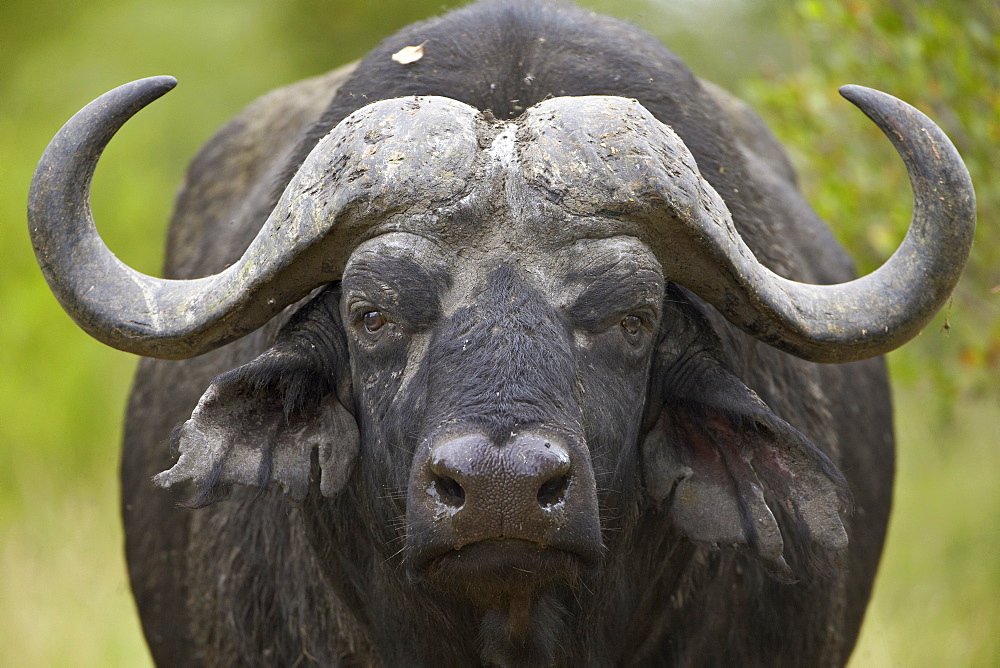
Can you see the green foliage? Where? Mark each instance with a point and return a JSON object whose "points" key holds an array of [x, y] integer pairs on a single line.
{"points": [[943, 58], [63, 594]]}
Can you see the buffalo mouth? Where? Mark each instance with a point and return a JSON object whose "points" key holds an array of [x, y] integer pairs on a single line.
{"points": [[490, 573]]}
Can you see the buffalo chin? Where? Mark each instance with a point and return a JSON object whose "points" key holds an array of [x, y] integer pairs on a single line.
{"points": [[521, 589]]}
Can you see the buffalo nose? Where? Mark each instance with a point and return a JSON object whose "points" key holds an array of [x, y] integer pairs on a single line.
{"points": [[535, 487], [508, 484]]}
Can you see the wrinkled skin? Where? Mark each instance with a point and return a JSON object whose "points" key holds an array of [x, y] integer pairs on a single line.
{"points": [[428, 344]]}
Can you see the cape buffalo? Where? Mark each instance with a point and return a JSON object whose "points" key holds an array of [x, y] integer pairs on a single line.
{"points": [[505, 345]]}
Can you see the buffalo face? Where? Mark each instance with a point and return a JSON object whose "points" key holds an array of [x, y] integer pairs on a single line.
{"points": [[508, 387]]}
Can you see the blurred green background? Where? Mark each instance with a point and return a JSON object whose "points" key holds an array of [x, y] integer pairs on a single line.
{"points": [[64, 599]]}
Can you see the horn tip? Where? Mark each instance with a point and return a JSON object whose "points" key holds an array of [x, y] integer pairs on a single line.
{"points": [[855, 94], [163, 82]]}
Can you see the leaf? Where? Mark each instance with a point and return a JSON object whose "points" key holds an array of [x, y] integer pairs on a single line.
{"points": [[409, 54]]}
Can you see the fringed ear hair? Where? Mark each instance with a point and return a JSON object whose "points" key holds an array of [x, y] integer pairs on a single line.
{"points": [[260, 423], [726, 468]]}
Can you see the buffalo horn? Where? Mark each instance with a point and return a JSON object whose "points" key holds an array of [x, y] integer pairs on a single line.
{"points": [[352, 180], [345, 180], [881, 311], [625, 164]]}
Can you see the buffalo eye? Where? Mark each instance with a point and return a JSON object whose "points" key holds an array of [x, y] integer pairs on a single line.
{"points": [[373, 321], [631, 324]]}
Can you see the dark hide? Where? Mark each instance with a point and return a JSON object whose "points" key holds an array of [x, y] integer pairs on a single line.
{"points": [[715, 461]]}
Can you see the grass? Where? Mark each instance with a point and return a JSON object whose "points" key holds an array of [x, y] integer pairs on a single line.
{"points": [[935, 601], [64, 596]]}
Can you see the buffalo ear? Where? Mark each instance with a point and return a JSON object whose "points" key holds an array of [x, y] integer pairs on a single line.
{"points": [[731, 472], [262, 422]]}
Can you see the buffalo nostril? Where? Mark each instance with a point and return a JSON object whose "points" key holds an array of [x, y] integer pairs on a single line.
{"points": [[449, 491], [553, 490]]}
